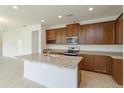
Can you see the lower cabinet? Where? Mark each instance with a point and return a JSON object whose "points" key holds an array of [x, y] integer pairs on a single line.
{"points": [[96, 63], [118, 71], [88, 62], [103, 64], [100, 63]]}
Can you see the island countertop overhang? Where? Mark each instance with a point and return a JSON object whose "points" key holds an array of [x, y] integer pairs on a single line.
{"points": [[57, 60]]}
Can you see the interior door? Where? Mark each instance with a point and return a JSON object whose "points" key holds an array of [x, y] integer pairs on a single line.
{"points": [[35, 41]]}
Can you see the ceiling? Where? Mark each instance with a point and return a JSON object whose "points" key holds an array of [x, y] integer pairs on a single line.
{"points": [[33, 14]]}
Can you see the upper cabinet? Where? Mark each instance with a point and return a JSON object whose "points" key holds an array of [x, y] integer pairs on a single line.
{"points": [[90, 34], [98, 33], [50, 36], [109, 32], [63, 35], [72, 30], [60, 36], [82, 34], [106, 33], [119, 30]]}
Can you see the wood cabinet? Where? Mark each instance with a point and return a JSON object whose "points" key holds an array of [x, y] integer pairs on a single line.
{"points": [[102, 64], [119, 30], [82, 34], [90, 34], [109, 32], [98, 31], [97, 63], [58, 36], [63, 36], [87, 62], [109, 65], [72, 30], [118, 71], [106, 33], [50, 36]]}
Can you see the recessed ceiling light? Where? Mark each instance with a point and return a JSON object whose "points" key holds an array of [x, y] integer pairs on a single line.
{"points": [[59, 16], [42, 20], [90, 9], [15, 7]]}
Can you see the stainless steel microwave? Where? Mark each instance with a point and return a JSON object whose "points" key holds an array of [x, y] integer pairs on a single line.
{"points": [[72, 40]]}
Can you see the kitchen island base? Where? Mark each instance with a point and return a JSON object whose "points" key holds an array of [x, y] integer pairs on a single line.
{"points": [[51, 76]]}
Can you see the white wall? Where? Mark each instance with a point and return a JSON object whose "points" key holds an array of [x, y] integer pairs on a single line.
{"points": [[112, 48], [18, 42], [0, 43]]}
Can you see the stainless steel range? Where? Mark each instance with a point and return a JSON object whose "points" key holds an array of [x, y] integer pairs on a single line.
{"points": [[72, 51]]}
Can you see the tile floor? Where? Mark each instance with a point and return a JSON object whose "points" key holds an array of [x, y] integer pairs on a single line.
{"points": [[97, 80], [11, 72]]}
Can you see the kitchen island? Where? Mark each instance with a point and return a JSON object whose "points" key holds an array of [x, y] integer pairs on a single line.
{"points": [[53, 71]]}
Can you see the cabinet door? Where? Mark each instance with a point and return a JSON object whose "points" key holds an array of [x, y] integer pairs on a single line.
{"points": [[108, 32], [58, 36], [47, 35], [69, 30], [118, 71], [81, 35], [90, 35], [98, 31], [50, 36], [88, 62], [109, 65], [100, 63], [72, 30], [75, 30], [119, 30], [63, 36]]}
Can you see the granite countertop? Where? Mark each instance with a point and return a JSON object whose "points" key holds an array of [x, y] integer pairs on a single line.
{"points": [[114, 55], [58, 60]]}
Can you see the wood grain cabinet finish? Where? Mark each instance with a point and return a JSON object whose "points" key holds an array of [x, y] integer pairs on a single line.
{"points": [[98, 30], [109, 65], [63, 36], [118, 71], [97, 63], [90, 34], [50, 36], [72, 30], [109, 32], [105, 33], [58, 36], [94, 33], [82, 34], [102, 64], [87, 63], [119, 30]]}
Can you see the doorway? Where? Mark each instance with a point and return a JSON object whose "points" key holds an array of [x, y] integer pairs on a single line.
{"points": [[35, 41]]}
